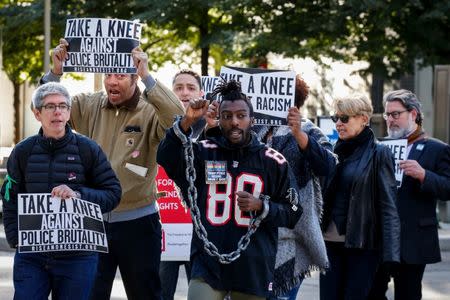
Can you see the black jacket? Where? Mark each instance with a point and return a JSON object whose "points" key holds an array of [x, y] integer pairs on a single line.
{"points": [[254, 168], [417, 202], [372, 218], [38, 164]]}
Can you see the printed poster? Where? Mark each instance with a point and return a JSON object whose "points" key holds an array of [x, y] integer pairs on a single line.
{"points": [[101, 45], [176, 221], [398, 148], [48, 223], [209, 83], [272, 92]]}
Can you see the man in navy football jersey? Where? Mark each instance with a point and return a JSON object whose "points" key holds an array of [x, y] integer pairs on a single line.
{"points": [[233, 185]]}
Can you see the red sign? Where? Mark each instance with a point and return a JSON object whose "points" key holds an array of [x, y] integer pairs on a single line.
{"points": [[170, 207]]}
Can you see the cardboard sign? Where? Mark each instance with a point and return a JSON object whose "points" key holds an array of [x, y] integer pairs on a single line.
{"points": [[398, 148], [101, 45], [175, 219], [49, 224], [272, 92]]}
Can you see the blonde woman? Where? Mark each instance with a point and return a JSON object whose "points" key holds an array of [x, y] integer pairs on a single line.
{"points": [[360, 221]]}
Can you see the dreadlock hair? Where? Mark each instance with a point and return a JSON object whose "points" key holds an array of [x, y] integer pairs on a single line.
{"points": [[231, 91]]}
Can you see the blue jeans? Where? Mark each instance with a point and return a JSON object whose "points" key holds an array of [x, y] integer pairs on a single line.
{"points": [[168, 273], [67, 277]]}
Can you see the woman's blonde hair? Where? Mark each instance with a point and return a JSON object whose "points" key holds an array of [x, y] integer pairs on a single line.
{"points": [[353, 105]]}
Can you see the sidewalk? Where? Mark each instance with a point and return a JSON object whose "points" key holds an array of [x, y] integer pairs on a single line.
{"points": [[435, 284]]}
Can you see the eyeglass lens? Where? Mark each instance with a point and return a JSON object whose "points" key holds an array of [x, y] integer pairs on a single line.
{"points": [[53, 107], [343, 118], [393, 114]]}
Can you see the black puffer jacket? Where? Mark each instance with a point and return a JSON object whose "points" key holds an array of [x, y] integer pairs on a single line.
{"points": [[38, 164]]}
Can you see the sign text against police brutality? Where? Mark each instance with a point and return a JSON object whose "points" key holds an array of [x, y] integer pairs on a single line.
{"points": [[50, 224], [101, 45]]}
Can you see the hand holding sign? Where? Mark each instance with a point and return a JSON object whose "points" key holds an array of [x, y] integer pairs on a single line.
{"points": [[140, 59], [294, 121], [59, 55], [101, 45], [63, 191], [212, 114], [413, 169]]}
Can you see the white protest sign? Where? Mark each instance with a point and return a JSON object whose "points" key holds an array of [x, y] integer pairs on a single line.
{"points": [[398, 148], [272, 92], [209, 83], [101, 45], [48, 223], [176, 241]]}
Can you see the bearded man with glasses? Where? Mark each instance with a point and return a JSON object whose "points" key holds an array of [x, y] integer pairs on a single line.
{"points": [[426, 179]]}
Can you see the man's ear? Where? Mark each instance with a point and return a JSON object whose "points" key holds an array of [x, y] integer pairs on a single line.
{"points": [[134, 79], [202, 93], [414, 114], [252, 121]]}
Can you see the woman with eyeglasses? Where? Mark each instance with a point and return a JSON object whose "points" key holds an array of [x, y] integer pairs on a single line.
{"points": [[56, 161], [360, 222]]}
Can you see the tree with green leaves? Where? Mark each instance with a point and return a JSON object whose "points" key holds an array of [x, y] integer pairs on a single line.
{"points": [[192, 25], [22, 26], [389, 35]]}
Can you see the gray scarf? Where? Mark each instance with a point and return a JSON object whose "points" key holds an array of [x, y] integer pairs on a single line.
{"points": [[302, 249]]}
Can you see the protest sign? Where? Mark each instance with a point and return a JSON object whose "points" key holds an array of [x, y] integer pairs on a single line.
{"points": [[175, 219], [328, 128], [48, 223], [398, 148], [272, 92], [209, 83], [101, 45]]}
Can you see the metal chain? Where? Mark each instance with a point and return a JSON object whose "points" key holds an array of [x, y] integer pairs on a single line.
{"points": [[200, 230]]}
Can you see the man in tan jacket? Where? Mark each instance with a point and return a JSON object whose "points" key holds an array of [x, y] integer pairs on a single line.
{"points": [[128, 125]]}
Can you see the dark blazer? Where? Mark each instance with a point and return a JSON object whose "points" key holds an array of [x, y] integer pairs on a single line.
{"points": [[417, 202]]}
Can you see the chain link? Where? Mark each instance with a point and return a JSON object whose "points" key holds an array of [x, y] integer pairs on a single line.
{"points": [[200, 230]]}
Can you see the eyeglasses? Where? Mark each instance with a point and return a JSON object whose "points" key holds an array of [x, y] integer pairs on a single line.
{"points": [[52, 107], [344, 118], [394, 114]]}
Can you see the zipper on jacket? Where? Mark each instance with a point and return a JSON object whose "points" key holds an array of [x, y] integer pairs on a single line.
{"points": [[115, 132], [50, 168]]}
